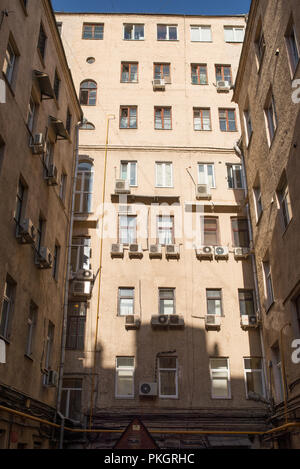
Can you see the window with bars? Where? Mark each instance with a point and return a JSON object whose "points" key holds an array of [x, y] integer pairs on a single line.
{"points": [[126, 302], [235, 176], [42, 42], [220, 378], [164, 174], [199, 74], [163, 118], [167, 301], [227, 120], [7, 307], [71, 398], [88, 93], [162, 71], [133, 32], [128, 172], [240, 232], [165, 230], [128, 117], [168, 377], [129, 72], [210, 231], [127, 229], [124, 377], [93, 31], [254, 376], [76, 323], [84, 188], [202, 119], [214, 302], [201, 34], [223, 73], [167, 32], [246, 302]]}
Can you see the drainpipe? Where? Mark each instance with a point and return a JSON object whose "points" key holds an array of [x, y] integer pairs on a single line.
{"points": [[66, 297]]}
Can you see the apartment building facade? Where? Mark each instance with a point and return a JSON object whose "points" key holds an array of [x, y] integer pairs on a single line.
{"points": [[267, 92], [39, 111], [163, 320]]}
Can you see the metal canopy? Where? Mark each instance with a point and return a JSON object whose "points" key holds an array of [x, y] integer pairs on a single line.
{"points": [[59, 128], [44, 84]]}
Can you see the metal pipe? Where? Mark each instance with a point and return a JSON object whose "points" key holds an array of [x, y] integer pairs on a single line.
{"points": [[283, 372]]}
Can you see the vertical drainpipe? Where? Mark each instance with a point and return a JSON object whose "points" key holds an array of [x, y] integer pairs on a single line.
{"points": [[66, 296], [253, 262]]}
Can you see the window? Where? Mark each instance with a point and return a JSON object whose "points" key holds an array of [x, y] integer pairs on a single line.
{"points": [[163, 118], [292, 46], [210, 230], [168, 377], [128, 117], [31, 322], [206, 174], [134, 32], [68, 121], [254, 376], [125, 377], [202, 119], [32, 108], [92, 31], [269, 293], [277, 374], [88, 93], [199, 74], [223, 73], [76, 326], [71, 398], [129, 72], [128, 172], [164, 174], [7, 307], [248, 125], [227, 120], [49, 346], [240, 232], [167, 32], [258, 202], [165, 230], [56, 257], [63, 186], [246, 302], [260, 44], [214, 302], [220, 378], [162, 72], [167, 301], [80, 254], [56, 85], [10, 60], [84, 188], [271, 117], [234, 34], [59, 26], [127, 229], [49, 154], [285, 204], [126, 302], [20, 200], [90, 60], [87, 126], [235, 176], [42, 42], [201, 34]]}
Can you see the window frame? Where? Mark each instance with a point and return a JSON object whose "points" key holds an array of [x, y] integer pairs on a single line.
{"points": [[5, 325], [128, 369], [129, 117], [234, 29], [172, 297], [239, 220], [159, 369], [245, 301], [268, 284], [201, 117], [162, 76], [217, 297], [200, 29], [11, 50], [129, 164], [292, 46], [160, 218], [211, 370], [32, 323], [164, 178], [162, 110], [206, 165], [81, 193], [129, 64], [257, 195], [223, 77], [126, 297], [248, 125], [167, 26], [271, 119], [284, 200], [129, 229], [142, 38], [203, 220], [93, 26], [251, 371], [73, 341], [198, 74], [89, 101], [68, 391], [232, 169], [42, 42], [227, 110]]}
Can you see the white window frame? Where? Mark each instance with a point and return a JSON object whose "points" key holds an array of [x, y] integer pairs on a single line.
{"points": [[248, 125], [10, 59], [206, 174], [128, 369], [68, 391], [85, 245], [200, 29], [218, 370], [124, 297], [168, 26], [233, 168], [133, 31], [251, 371], [258, 202], [268, 284], [164, 396], [82, 192], [234, 30], [129, 165], [164, 165]]}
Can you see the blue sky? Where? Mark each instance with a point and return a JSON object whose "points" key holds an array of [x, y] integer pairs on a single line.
{"points": [[187, 7]]}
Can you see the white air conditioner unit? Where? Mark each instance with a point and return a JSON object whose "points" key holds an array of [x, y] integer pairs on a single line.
{"points": [[43, 258], [212, 321], [52, 175], [81, 288], [26, 233], [122, 186], [132, 322], [160, 320], [241, 253], [172, 251], [205, 252], [37, 144], [223, 85], [203, 191], [148, 389], [117, 250], [84, 274], [52, 379], [135, 249], [248, 321], [159, 84], [176, 321], [221, 252], [155, 250]]}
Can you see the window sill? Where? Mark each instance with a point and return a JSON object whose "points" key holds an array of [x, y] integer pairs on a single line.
{"points": [[129, 82], [203, 130], [128, 128], [162, 129], [168, 40], [92, 39]]}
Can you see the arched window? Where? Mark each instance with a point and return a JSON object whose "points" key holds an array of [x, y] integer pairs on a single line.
{"points": [[88, 93], [84, 188], [87, 126]]}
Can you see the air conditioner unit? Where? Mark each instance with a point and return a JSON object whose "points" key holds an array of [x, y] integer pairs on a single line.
{"points": [[135, 249], [159, 84], [132, 322], [81, 288], [205, 252], [212, 321], [26, 232], [248, 321], [43, 258], [172, 251], [122, 186], [148, 389], [176, 321], [52, 175], [203, 191], [117, 250], [241, 253], [160, 320], [37, 144], [84, 274], [155, 250], [221, 252], [52, 378], [223, 85]]}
